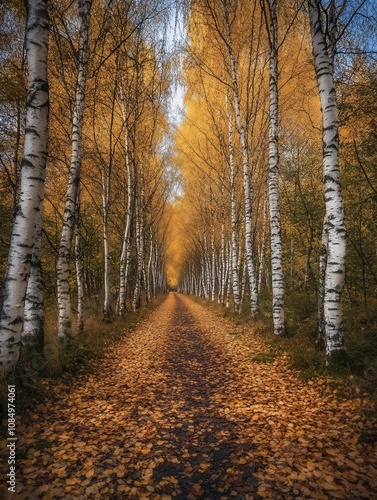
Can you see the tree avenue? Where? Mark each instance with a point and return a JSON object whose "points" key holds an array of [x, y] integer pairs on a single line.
{"points": [[243, 201]]}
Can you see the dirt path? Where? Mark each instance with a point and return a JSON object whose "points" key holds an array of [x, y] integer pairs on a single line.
{"points": [[179, 409]]}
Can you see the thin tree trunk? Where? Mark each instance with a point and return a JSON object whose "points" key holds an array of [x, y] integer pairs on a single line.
{"points": [[229, 275], [213, 264], [246, 180], [321, 288], [63, 264], [79, 270], [126, 244], [33, 171], [336, 231], [233, 217], [222, 260], [140, 207], [148, 280], [106, 257], [273, 182], [262, 250]]}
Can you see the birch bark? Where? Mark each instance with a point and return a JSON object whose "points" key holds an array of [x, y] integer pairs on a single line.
{"points": [[233, 216], [105, 230], [126, 243], [64, 257], [33, 327], [79, 269], [321, 287], [254, 304], [140, 222], [336, 231], [273, 181], [33, 168]]}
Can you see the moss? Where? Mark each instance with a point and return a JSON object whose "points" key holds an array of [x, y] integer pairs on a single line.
{"points": [[264, 357]]}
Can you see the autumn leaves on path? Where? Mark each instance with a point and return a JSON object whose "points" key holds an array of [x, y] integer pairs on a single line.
{"points": [[180, 409]]}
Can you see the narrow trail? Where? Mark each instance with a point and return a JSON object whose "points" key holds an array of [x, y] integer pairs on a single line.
{"points": [[179, 409]]}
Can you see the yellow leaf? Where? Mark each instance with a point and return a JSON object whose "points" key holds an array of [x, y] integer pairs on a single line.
{"points": [[90, 473]]}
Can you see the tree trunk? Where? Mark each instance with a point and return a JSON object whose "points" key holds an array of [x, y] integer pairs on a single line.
{"points": [[246, 175], [106, 257], [140, 223], [262, 250], [63, 264], [79, 270], [126, 244], [336, 231], [273, 182], [321, 288], [33, 328], [33, 173], [233, 216]]}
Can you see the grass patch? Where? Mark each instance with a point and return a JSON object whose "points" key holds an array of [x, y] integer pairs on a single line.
{"points": [[300, 341], [264, 357]]}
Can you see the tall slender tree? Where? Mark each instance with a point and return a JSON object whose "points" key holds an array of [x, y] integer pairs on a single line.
{"points": [[242, 131], [33, 174], [273, 175], [323, 25], [64, 258]]}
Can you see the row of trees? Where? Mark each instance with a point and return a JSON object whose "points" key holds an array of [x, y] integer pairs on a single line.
{"points": [[262, 209], [88, 198], [265, 83]]}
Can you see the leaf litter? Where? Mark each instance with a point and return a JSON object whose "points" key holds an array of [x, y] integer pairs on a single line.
{"points": [[179, 409]]}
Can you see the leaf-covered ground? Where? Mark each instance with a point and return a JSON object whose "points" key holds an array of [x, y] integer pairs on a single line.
{"points": [[188, 407]]}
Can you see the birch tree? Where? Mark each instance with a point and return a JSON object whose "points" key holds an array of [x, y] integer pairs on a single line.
{"points": [[124, 264], [233, 217], [63, 264], [33, 168], [242, 131], [273, 177], [323, 51], [33, 327]]}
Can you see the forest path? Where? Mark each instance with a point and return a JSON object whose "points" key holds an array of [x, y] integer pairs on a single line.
{"points": [[179, 409]]}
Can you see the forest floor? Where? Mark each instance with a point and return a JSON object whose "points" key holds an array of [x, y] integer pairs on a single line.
{"points": [[190, 406]]}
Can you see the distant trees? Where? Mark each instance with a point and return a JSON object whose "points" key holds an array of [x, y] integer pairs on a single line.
{"points": [[109, 82], [235, 48]]}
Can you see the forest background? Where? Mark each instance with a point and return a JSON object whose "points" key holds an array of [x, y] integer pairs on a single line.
{"points": [[137, 201]]}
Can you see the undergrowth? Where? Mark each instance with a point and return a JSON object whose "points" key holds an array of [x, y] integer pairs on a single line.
{"points": [[74, 358], [300, 341]]}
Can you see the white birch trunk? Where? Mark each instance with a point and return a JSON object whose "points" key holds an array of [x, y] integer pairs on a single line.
{"points": [[33, 327], [148, 280], [222, 261], [32, 186], [233, 217], [262, 250], [321, 287], [106, 257], [254, 304], [64, 257], [140, 207], [79, 273], [139, 265], [126, 244], [336, 231], [213, 265], [229, 278], [277, 277]]}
